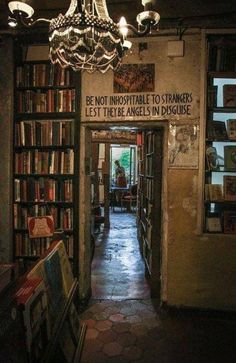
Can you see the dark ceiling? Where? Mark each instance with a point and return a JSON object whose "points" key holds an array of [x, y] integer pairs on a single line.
{"points": [[196, 13]]}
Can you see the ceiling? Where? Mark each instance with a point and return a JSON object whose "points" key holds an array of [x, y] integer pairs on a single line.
{"points": [[196, 13]]}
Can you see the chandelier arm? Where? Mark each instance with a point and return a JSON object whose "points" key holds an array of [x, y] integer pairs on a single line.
{"points": [[32, 23], [72, 7], [146, 30]]}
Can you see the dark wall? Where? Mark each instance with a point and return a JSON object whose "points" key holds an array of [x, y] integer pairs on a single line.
{"points": [[6, 144]]}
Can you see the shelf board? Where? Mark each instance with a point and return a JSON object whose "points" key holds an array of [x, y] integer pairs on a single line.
{"points": [[46, 147], [57, 203], [43, 115], [45, 87], [221, 74], [220, 171], [220, 201], [222, 109], [53, 176], [220, 141]]}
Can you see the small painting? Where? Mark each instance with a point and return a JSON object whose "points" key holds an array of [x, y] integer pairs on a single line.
{"points": [[130, 78], [183, 146]]}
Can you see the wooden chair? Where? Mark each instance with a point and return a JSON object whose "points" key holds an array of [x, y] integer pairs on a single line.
{"points": [[129, 199]]}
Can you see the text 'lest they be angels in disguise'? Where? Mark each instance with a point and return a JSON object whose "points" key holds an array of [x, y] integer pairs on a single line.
{"points": [[142, 105]]}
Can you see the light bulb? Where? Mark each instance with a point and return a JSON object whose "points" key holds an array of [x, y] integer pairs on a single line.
{"points": [[123, 26], [12, 22]]}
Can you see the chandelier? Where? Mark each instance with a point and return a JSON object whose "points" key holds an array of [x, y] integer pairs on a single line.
{"points": [[85, 37]]}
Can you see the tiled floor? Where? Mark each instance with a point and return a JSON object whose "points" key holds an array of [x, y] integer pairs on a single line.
{"points": [[125, 325]]}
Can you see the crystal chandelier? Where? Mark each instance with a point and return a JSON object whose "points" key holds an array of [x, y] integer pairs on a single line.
{"points": [[85, 37]]}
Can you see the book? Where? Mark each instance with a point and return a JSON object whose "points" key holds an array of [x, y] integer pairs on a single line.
{"points": [[229, 221], [230, 157], [216, 130], [231, 129], [212, 161], [31, 298], [67, 274], [214, 192], [6, 274], [230, 187], [213, 224], [229, 95]]}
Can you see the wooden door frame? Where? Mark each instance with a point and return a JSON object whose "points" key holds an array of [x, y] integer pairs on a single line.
{"points": [[84, 212]]}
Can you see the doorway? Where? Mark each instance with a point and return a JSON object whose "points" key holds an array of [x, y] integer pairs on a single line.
{"points": [[140, 264]]}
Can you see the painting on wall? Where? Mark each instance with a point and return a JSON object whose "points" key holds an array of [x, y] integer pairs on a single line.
{"points": [[183, 144], [134, 78]]}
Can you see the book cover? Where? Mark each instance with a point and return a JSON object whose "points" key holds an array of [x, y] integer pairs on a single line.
{"points": [[55, 285], [230, 187], [213, 224], [229, 95], [216, 130], [67, 274], [212, 160], [32, 299], [215, 192], [230, 221], [230, 157], [231, 129]]}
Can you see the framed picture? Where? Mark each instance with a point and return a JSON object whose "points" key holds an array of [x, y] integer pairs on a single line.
{"points": [[130, 78], [183, 141], [216, 130], [212, 160], [229, 95], [230, 221], [213, 224], [230, 157], [230, 187], [231, 129]]}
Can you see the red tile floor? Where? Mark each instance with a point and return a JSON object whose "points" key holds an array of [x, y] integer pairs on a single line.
{"points": [[125, 325]]}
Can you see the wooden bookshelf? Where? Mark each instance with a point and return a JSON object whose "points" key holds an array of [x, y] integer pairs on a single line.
{"points": [[220, 145], [149, 144], [45, 157]]}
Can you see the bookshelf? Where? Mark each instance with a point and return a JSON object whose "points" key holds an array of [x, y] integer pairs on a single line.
{"points": [[149, 152], [45, 155], [220, 144]]}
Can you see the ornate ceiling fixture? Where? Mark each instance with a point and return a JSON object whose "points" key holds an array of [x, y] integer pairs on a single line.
{"points": [[85, 37]]}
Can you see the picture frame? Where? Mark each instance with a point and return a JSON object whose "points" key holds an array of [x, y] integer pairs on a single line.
{"points": [[231, 129], [183, 144], [212, 160], [229, 221], [230, 187], [229, 95], [130, 78], [213, 224], [230, 157], [216, 130]]}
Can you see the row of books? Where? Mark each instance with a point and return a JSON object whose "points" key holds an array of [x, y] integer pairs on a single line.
{"points": [[44, 133], [44, 162], [149, 165], [62, 217], [222, 58], [42, 74], [51, 100], [150, 142], [24, 246], [212, 96], [43, 190], [149, 189], [225, 223], [42, 298], [219, 192], [221, 130]]}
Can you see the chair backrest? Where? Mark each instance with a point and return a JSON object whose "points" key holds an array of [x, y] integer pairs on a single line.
{"points": [[134, 189]]}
